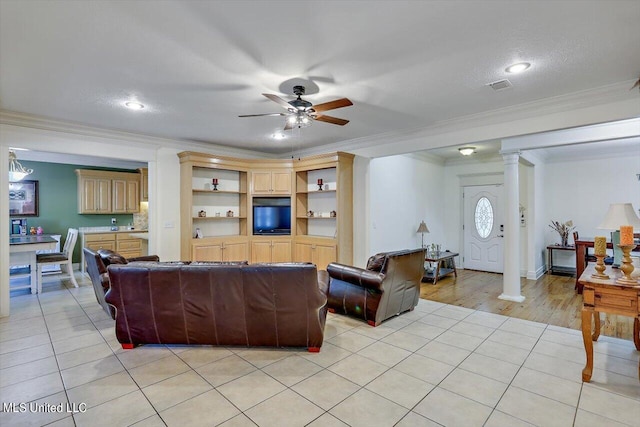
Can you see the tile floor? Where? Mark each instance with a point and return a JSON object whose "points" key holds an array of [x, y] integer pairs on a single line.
{"points": [[438, 365]]}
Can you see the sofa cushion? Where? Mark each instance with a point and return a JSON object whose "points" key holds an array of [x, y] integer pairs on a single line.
{"points": [[376, 262]]}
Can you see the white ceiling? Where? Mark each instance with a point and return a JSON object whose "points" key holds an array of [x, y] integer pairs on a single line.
{"points": [[197, 65]]}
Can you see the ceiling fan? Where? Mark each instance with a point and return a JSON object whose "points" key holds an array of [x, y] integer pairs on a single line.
{"points": [[301, 112]]}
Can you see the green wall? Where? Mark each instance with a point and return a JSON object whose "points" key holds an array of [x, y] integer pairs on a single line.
{"points": [[58, 201]]}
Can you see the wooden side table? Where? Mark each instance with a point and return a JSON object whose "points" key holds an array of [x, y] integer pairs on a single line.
{"points": [[609, 297], [445, 264]]}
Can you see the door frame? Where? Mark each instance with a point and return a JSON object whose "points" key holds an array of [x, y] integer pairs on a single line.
{"points": [[471, 180]]}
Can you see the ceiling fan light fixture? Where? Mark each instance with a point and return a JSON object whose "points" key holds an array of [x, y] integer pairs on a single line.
{"points": [[133, 105], [467, 151], [517, 68]]}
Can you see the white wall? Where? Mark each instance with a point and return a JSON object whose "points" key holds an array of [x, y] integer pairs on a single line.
{"points": [[581, 191], [404, 190]]}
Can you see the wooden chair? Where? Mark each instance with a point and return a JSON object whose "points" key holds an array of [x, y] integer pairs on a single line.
{"points": [[587, 256], [63, 258]]}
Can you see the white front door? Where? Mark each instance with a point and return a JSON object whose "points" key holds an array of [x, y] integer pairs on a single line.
{"points": [[483, 228]]}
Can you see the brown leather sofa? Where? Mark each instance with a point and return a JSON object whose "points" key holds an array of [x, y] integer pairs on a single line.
{"points": [[231, 304], [389, 286], [97, 263]]}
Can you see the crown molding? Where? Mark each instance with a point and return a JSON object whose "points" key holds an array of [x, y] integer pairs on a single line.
{"points": [[547, 106], [47, 124]]}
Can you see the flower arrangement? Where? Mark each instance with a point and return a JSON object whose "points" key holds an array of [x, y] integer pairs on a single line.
{"points": [[563, 229]]}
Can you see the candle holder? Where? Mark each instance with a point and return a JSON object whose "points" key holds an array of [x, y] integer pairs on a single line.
{"points": [[319, 184], [626, 267], [214, 182], [600, 267]]}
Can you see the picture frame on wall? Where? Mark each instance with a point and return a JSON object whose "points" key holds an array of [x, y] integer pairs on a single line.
{"points": [[23, 198]]}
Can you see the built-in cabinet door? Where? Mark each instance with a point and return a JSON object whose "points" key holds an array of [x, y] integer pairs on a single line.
{"points": [[96, 195], [320, 255], [133, 196], [235, 251], [324, 255], [273, 182], [261, 182], [119, 188], [212, 252], [281, 182], [281, 251], [144, 185], [261, 251]]}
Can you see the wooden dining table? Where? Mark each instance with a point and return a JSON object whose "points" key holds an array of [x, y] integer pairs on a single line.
{"points": [[22, 251]]}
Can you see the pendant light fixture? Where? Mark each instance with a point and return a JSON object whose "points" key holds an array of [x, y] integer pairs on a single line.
{"points": [[16, 171]]}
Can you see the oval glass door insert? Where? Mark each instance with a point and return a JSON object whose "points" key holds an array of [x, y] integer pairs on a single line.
{"points": [[483, 217]]}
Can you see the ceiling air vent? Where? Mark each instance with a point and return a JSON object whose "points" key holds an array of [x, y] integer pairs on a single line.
{"points": [[501, 85]]}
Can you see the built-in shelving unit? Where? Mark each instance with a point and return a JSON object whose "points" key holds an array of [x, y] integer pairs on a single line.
{"points": [[323, 237]]}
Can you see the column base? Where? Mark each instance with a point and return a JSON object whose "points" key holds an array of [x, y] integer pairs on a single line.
{"points": [[518, 298]]}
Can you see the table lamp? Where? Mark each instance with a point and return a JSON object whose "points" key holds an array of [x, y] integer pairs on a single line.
{"points": [[422, 228], [617, 215]]}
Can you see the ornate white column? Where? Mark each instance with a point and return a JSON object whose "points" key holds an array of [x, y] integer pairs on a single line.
{"points": [[511, 274]]}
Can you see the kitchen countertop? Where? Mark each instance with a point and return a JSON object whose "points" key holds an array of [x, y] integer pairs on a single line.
{"points": [[107, 229]]}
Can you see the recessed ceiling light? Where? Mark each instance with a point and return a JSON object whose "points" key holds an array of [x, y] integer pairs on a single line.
{"points": [[467, 151], [278, 135], [517, 68], [133, 105]]}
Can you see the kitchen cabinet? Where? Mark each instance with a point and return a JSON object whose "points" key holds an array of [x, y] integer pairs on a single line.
{"points": [[106, 192]]}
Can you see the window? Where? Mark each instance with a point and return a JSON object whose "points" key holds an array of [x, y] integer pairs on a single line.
{"points": [[484, 217]]}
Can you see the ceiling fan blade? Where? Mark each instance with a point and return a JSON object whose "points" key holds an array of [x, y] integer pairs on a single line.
{"points": [[288, 125], [332, 105], [260, 115], [332, 120], [278, 100]]}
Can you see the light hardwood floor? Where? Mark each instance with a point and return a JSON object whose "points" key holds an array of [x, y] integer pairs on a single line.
{"points": [[550, 299]]}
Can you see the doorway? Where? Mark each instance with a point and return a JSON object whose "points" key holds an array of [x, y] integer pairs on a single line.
{"points": [[483, 229]]}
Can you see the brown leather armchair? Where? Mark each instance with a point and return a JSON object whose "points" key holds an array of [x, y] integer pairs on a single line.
{"points": [[97, 263], [389, 286]]}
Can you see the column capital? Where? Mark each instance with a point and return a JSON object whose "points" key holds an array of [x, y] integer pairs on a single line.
{"points": [[510, 157]]}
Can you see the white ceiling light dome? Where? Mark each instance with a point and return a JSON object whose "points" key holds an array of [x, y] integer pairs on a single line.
{"points": [[517, 68]]}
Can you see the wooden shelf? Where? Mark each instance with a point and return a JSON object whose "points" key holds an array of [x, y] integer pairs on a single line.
{"points": [[315, 191], [316, 217], [217, 192], [220, 217]]}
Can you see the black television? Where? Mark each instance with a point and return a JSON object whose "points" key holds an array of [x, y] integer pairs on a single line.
{"points": [[272, 216]]}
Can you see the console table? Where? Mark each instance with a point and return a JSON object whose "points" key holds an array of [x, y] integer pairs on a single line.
{"points": [[556, 269], [606, 296], [445, 264]]}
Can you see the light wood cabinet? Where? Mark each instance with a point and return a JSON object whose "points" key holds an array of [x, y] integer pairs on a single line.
{"points": [[105, 192], [220, 250], [318, 251], [324, 217], [144, 184], [94, 195], [271, 250], [128, 246], [321, 239], [271, 182], [100, 241]]}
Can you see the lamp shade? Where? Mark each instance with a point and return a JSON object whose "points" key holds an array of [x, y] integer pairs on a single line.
{"points": [[422, 228], [620, 214]]}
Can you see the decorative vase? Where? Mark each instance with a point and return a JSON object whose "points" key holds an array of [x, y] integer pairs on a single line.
{"points": [[564, 239]]}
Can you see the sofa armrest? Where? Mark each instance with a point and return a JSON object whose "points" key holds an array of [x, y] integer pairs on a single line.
{"points": [[155, 258], [356, 276]]}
